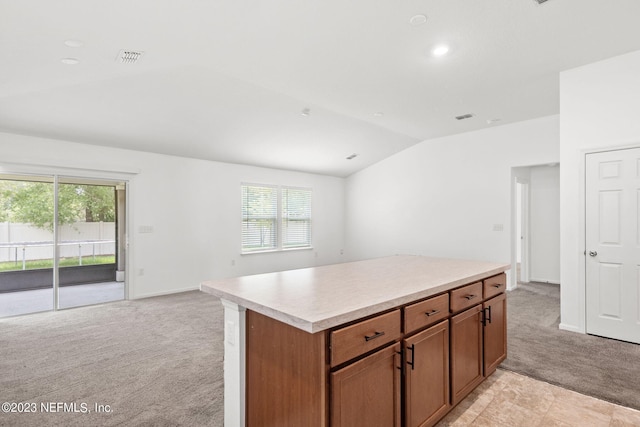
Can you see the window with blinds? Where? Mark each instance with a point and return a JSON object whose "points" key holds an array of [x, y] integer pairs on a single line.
{"points": [[296, 217], [259, 218], [275, 218]]}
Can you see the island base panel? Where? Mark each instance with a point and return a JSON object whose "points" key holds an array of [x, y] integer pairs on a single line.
{"points": [[286, 375]]}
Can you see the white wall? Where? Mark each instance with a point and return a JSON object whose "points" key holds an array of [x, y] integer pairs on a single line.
{"points": [[599, 106], [544, 224], [193, 207], [443, 197]]}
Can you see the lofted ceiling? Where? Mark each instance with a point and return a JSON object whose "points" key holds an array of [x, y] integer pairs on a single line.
{"points": [[291, 84]]}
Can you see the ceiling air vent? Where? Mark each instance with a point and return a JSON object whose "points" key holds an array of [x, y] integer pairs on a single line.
{"points": [[540, 1], [464, 116], [128, 56]]}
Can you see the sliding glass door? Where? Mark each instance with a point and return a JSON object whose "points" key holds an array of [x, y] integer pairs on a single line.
{"points": [[86, 236], [62, 243], [26, 244]]}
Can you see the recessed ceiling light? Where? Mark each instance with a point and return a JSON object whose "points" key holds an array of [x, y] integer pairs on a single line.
{"points": [[440, 50], [491, 121], [73, 43], [353, 156], [464, 116], [416, 20], [306, 112], [378, 114], [70, 61]]}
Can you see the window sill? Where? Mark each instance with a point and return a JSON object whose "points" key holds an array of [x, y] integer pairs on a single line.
{"points": [[270, 251]]}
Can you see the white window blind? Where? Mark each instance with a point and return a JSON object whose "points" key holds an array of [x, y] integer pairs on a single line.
{"points": [[275, 218], [259, 218], [296, 217]]}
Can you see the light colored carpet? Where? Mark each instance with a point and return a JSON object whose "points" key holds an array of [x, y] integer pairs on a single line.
{"points": [[155, 362], [595, 366]]}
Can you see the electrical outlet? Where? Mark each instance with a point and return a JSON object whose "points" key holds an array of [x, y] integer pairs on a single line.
{"points": [[498, 227], [141, 272]]}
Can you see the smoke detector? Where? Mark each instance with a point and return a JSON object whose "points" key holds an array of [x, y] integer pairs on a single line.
{"points": [[129, 56]]}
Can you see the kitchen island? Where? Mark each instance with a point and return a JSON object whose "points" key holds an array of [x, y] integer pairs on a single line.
{"points": [[390, 341]]}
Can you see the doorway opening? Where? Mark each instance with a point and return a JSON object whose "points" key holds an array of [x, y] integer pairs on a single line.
{"points": [[535, 248], [62, 243]]}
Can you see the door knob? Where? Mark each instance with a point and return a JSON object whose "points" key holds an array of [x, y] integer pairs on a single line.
{"points": [[593, 253]]}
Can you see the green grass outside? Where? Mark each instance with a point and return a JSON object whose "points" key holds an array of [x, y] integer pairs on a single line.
{"points": [[64, 262]]}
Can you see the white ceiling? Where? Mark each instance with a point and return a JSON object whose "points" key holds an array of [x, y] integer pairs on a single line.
{"points": [[228, 80]]}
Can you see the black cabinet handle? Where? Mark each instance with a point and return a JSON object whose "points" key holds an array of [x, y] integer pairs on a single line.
{"points": [[486, 316], [470, 297], [374, 336], [497, 285], [412, 349], [432, 312]]}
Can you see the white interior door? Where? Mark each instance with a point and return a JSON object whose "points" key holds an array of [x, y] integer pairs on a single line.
{"points": [[613, 244]]}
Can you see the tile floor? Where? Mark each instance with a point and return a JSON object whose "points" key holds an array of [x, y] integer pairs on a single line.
{"points": [[511, 400]]}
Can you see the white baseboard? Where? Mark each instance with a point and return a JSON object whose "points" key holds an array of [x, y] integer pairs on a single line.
{"points": [[173, 291], [570, 328], [552, 282]]}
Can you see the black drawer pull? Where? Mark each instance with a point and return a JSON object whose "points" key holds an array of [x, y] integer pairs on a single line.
{"points": [[374, 336], [470, 297], [497, 285], [432, 312]]}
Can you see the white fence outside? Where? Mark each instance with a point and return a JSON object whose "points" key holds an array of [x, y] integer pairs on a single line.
{"points": [[24, 241]]}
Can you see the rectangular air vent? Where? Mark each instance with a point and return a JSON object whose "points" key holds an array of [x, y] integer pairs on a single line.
{"points": [[464, 116], [128, 56]]}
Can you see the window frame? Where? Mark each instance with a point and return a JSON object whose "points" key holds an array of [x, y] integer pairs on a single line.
{"points": [[279, 219]]}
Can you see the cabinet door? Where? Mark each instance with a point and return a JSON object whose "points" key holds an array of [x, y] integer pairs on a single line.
{"points": [[427, 376], [495, 333], [367, 392], [466, 353]]}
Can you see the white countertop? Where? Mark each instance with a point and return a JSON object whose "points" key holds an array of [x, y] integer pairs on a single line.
{"points": [[319, 298]]}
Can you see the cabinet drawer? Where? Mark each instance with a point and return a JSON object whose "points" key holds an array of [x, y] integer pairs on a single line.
{"points": [[352, 341], [495, 285], [425, 312], [467, 296]]}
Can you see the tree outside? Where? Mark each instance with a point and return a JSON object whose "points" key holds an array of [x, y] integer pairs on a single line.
{"points": [[32, 203]]}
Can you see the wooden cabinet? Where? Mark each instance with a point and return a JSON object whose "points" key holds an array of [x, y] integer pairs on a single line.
{"points": [[466, 353], [425, 313], [478, 337], [466, 296], [495, 333], [367, 392], [407, 366], [494, 285], [364, 336], [286, 375], [427, 376]]}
